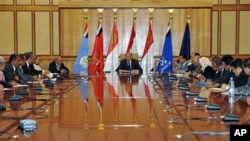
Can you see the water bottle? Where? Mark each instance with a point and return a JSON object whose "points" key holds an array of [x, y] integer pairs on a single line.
{"points": [[231, 86], [231, 90]]}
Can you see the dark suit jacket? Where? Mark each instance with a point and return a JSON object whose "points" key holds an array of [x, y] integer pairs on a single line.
{"points": [[134, 65], [241, 80], [209, 73], [31, 70], [217, 75], [9, 72], [225, 77], [53, 68]]}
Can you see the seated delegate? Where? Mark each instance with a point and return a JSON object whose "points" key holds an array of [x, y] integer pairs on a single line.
{"points": [[129, 65], [57, 66]]}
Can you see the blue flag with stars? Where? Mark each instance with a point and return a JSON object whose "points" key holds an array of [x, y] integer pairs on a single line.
{"points": [[81, 63], [165, 64]]}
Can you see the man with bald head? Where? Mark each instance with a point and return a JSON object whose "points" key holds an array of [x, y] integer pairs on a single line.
{"points": [[129, 65], [57, 66]]}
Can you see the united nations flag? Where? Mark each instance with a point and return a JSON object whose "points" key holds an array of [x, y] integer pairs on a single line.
{"points": [[81, 63]]}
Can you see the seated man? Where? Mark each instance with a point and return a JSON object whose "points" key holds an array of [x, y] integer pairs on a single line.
{"points": [[194, 67], [241, 77], [37, 66], [23, 77], [57, 66], [2, 76], [217, 67], [182, 64], [226, 73], [245, 89], [28, 67], [129, 65], [10, 70]]}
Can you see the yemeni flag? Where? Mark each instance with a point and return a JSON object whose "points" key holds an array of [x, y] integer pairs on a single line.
{"points": [[147, 63], [110, 64], [131, 39]]}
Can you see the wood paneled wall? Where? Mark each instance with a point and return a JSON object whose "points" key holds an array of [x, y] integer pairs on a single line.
{"points": [[29, 25], [230, 28], [72, 22]]}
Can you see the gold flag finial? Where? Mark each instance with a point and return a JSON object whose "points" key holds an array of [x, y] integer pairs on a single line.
{"points": [[134, 13], [188, 15], [100, 11], [85, 11], [115, 13], [151, 11], [170, 12]]}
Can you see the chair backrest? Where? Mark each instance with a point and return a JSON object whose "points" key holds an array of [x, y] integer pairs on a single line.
{"points": [[134, 56]]}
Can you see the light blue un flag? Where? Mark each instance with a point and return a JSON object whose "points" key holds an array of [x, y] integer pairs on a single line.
{"points": [[81, 63], [165, 64]]}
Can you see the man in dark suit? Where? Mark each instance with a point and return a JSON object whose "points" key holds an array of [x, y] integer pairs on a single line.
{"points": [[2, 76], [10, 70], [226, 71], [241, 78], [24, 77], [28, 68], [57, 66], [129, 65]]}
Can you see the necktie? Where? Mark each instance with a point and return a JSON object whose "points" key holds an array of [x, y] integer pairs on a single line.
{"points": [[29, 69], [58, 67], [15, 71], [129, 65]]}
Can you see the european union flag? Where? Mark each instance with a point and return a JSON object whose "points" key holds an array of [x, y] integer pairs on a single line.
{"points": [[165, 64], [185, 46], [81, 63]]}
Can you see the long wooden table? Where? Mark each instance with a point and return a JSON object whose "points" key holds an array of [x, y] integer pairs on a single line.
{"points": [[113, 107]]}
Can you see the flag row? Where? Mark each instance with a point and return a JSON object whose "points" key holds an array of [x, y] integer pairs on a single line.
{"points": [[96, 62]]}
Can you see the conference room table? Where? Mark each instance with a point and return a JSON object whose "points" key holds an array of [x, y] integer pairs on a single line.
{"points": [[111, 107]]}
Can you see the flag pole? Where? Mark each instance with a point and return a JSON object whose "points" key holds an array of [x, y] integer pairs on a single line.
{"points": [[134, 24], [151, 16], [170, 19], [85, 17], [115, 14], [170, 13], [188, 15], [100, 11], [115, 21]]}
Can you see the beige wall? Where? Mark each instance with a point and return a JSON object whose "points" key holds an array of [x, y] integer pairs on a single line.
{"points": [[230, 28], [33, 25], [29, 25]]}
